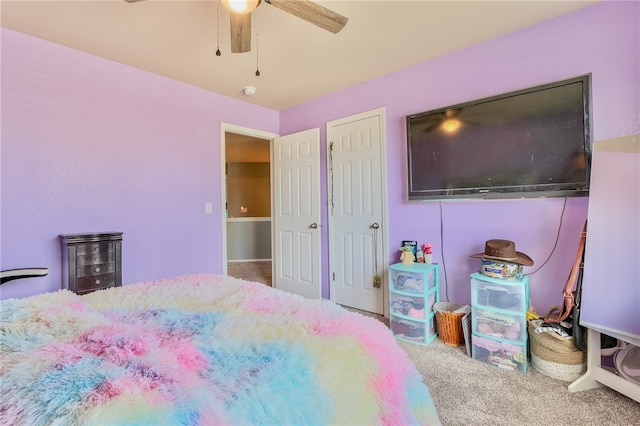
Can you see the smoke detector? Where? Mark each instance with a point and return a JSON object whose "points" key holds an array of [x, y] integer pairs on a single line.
{"points": [[249, 90]]}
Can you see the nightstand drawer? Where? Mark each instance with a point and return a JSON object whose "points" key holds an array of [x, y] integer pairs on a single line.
{"points": [[96, 282], [94, 259], [94, 248], [96, 269]]}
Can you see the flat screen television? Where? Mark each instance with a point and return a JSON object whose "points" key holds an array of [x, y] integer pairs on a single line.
{"points": [[534, 142]]}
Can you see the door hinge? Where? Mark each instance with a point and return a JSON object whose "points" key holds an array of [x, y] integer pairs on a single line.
{"points": [[334, 276]]}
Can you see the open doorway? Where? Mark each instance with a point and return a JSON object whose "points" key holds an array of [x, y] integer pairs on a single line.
{"points": [[295, 210], [247, 229]]}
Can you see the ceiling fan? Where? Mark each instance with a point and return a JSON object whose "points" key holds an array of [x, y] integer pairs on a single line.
{"points": [[447, 120], [303, 9], [450, 119]]}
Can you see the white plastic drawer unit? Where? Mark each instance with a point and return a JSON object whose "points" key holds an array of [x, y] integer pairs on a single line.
{"points": [[413, 290], [495, 293]]}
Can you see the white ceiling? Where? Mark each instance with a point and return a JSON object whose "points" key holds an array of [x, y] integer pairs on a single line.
{"points": [[297, 60]]}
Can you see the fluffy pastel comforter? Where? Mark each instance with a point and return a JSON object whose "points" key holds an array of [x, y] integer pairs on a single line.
{"points": [[203, 349]]}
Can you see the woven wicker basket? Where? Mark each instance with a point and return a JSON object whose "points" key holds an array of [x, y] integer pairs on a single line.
{"points": [[555, 356], [564, 372], [449, 324]]}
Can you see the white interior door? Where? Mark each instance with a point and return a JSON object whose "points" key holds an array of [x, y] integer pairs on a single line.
{"points": [[297, 236], [357, 213]]}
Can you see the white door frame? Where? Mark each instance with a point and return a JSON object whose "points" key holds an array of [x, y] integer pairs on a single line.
{"points": [[379, 112], [232, 128]]}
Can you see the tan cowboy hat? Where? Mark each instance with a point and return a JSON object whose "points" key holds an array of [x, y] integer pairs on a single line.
{"points": [[504, 250]]}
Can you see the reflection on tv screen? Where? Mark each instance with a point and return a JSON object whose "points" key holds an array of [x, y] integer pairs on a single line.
{"points": [[533, 142]]}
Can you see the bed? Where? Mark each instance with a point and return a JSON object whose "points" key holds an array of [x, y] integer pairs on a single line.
{"points": [[201, 350]]}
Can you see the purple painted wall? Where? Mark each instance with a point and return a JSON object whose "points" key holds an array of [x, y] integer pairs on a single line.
{"points": [[92, 145], [600, 39]]}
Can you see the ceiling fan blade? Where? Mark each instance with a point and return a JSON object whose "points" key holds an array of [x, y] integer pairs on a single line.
{"points": [[133, 1], [240, 33], [312, 12]]}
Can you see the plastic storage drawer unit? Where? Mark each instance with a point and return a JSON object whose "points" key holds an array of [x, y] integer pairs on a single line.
{"points": [[499, 321], [413, 290]]}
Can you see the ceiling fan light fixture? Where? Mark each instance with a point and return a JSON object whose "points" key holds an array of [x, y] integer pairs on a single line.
{"points": [[450, 125], [240, 6]]}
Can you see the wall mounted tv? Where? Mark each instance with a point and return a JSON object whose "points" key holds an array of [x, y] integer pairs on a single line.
{"points": [[534, 142]]}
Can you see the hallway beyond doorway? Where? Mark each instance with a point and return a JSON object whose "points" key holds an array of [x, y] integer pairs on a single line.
{"points": [[255, 271]]}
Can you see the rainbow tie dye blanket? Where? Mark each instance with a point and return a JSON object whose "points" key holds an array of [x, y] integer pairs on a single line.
{"points": [[201, 350]]}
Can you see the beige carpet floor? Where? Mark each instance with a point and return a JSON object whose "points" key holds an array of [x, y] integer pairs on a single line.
{"points": [[256, 271], [469, 392]]}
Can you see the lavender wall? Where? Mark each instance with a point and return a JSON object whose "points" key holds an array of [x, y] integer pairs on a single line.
{"points": [[92, 145], [601, 39]]}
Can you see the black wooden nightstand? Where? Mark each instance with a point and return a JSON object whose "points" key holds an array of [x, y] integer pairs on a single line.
{"points": [[91, 261]]}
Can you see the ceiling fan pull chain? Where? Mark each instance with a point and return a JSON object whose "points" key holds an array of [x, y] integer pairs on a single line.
{"points": [[257, 56], [218, 53]]}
